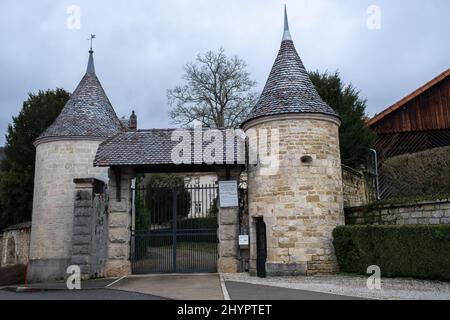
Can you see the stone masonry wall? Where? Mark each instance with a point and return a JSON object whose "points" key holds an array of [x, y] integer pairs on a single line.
{"points": [[15, 246], [358, 187], [57, 164], [302, 202], [419, 212], [90, 227]]}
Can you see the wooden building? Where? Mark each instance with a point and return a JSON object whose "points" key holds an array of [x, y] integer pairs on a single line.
{"points": [[418, 122]]}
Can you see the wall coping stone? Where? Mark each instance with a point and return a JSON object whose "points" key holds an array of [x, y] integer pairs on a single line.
{"points": [[291, 116], [68, 138], [351, 170], [96, 184], [23, 225], [412, 203]]}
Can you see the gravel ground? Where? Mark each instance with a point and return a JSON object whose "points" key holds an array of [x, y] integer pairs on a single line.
{"points": [[353, 285]]}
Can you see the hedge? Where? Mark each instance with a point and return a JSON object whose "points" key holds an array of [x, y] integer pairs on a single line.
{"points": [[198, 223], [420, 251]]}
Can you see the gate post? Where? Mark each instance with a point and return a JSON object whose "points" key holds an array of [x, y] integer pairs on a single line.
{"points": [[228, 233], [174, 230], [89, 240], [119, 222]]}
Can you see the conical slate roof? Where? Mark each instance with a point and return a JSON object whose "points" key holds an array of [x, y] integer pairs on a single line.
{"points": [[88, 113], [288, 88]]}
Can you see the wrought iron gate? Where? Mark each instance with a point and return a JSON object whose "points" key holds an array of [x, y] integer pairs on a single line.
{"points": [[176, 230]]}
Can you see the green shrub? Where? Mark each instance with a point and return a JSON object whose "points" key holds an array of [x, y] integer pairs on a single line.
{"points": [[198, 223], [418, 174], [421, 251], [154, 202]]}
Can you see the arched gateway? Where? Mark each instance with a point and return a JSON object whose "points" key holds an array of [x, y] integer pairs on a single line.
{"points": [[171, 242], [84, 203]]}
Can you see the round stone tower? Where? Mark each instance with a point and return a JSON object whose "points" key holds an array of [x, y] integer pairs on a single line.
{"points": [[66, 151], [298, 192]]}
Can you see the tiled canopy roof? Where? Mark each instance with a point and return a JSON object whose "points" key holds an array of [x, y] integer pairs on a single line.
{"points": [[289, 88], [154, 147], [87, 113]]}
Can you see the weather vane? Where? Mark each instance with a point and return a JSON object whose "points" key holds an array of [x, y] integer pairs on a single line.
{"points": [[91, 38]]}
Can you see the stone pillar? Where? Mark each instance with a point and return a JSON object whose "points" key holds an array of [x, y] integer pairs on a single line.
{"points": [[84, 250], [253, 256], [119, 228], [228, 232]]}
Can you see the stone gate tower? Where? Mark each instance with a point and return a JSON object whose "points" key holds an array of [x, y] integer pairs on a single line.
{"points": [[300, 197], [66, 151]]}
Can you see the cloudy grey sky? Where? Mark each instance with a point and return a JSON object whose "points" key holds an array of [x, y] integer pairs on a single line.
{"points": [[141, 46]]}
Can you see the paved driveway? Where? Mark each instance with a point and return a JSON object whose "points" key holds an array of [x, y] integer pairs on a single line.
{"points": [[167, 286], [175, 286]]}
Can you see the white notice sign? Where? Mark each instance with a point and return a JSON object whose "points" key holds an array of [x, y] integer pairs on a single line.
{"points": [[228, 194], [243, 240]]}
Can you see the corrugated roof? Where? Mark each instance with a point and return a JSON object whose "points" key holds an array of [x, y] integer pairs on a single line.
{"points": [[88, 111]]}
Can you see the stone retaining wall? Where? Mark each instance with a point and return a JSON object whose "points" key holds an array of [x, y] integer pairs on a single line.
{"points": [[358, 187], [419, 212]]}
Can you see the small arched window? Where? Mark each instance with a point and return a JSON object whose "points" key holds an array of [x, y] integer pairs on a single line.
{"points": [[10, 251]]}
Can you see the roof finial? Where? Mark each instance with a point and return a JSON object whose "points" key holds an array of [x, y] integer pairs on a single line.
{"points": [[286, 34], [90, 67], [90, 39]]}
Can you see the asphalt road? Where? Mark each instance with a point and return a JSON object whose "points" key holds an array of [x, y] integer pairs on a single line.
{"points": [[91, 294], [160, 287]]}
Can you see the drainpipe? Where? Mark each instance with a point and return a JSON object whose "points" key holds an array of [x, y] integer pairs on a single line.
{"points": [[376, 172], [133, 217], [133, 204]]}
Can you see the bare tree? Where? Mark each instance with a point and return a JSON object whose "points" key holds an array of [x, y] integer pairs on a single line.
{"points": [[216, 93]]}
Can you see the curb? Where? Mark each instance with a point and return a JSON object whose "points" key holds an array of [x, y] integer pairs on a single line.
{"points": [[26, 289], [33, 289]]}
